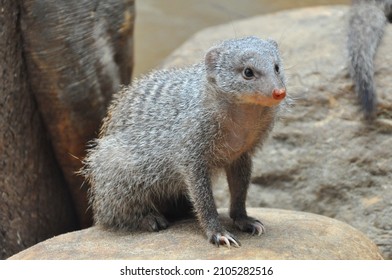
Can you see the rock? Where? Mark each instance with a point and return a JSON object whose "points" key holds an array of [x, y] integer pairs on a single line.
{"points": [[60, 62], [290, 235], [74, 67], [321, 156], [34, 200]]}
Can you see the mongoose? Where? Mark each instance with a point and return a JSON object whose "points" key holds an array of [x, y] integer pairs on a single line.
{"points": [[366, 28], [169, 133]]}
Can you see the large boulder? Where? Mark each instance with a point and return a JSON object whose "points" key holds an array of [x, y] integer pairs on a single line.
{"points": [[78, 53], [321, 156], [34, 200], [290, 235], [60, 62]]}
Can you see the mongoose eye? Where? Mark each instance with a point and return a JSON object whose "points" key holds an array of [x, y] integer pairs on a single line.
{"points": [[248, 73], [277, 68]]}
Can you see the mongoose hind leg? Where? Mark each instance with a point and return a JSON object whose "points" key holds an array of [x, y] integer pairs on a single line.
{"points": [[154, 221], [238, 176], [165, 210]]}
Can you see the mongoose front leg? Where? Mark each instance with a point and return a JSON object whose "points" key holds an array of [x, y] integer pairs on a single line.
{"points": [[199, 187], [238, 176]]}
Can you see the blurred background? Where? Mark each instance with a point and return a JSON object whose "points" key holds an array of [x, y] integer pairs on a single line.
{"points": [[161, 26]]}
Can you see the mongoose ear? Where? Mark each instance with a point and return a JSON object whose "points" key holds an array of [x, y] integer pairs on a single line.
{"points": [[211, 61]]}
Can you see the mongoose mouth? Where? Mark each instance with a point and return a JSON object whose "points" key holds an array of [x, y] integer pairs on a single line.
{"points": [[257, 98]]}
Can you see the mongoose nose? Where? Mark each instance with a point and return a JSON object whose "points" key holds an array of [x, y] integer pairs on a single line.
{"points": [[279, 94]]}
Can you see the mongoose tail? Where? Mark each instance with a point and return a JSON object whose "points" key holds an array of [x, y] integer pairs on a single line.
{"points": [[366, 29]]}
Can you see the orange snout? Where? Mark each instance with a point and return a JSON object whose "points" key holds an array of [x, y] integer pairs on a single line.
{"points": [[259, 99], [279, 94]]}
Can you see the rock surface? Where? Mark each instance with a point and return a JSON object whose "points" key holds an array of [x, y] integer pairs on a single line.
{"points": [[60, 62], [290, 235], [74, 67], [321, 157], [34, 200]]}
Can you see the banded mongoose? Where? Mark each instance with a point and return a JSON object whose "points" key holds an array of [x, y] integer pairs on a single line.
{"points": [[169, 133], [366, 28]]}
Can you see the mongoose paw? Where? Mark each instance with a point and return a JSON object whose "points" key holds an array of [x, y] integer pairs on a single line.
{"points": [[251, 225], [224, 238], [154, 222]]}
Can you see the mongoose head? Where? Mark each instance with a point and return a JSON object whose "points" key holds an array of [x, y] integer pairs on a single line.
{"points": [[249, 70]]}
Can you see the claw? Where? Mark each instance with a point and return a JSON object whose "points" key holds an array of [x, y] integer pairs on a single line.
{"points": [[235, 242], [251, 225], [224, 238], [258, 227]]}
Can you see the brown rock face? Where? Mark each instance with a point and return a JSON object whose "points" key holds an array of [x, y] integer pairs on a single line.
{"points": [[60, 62], [77, 53], [321, 156], [34, 199], [290, 235]]}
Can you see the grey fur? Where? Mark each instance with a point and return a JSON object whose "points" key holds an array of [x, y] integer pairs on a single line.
{"points": [[172, 130], [366, 29]]}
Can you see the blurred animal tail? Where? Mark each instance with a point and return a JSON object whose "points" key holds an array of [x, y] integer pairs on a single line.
{"points": [[366, 29]]}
